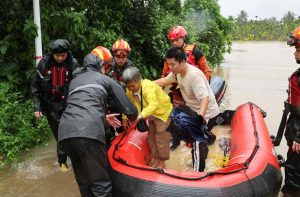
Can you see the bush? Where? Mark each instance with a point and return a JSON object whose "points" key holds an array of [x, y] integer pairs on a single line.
{"points": [[18, 128]]}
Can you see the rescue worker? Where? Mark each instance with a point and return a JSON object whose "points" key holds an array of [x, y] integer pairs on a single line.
{"points": [[82, 126], [120, 51], [201, 109], [291, 187], [177, 36], [105, 55], [50, 87], [153, 104]]}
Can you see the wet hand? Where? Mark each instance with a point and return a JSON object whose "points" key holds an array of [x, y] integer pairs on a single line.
{"points": [[38, 114], [112, 120], [296, 147]]}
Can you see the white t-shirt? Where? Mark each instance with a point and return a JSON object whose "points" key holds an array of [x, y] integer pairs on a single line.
{"points": [[194, 86]]}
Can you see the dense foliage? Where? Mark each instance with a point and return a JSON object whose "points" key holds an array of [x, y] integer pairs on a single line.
{"points": [[208, 28], [86, 24], [263, 29], [18, 128]]}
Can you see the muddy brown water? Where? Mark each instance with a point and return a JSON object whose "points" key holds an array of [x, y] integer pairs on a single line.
{"points": [[254, 71]]}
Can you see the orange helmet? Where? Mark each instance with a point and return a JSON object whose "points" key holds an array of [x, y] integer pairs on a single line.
{"points": [[177, 32], [295, 38], [103, 53], [121, 47]]}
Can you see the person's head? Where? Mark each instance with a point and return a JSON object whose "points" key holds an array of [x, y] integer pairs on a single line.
{"points": [[105, 55], [295, 41], [60, 49], [176, 59], [120, 50], [92, 62], [132, 78], [177, 35]]}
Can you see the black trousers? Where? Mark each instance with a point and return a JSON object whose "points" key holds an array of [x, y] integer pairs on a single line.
{"points": [[53, 122], [90, 165], [292, 164], [175, 133], [199, 155], [212, 122], [292, 173]]}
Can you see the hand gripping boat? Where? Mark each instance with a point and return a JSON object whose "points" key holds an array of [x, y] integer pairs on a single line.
{"points": [[253, 168]]}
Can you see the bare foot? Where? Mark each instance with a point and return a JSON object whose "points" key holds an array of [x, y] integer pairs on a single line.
{"points": [[159, 164], [150, 160]]}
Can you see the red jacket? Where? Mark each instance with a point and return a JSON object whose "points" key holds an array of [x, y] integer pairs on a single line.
{"points": [[294, 89]]}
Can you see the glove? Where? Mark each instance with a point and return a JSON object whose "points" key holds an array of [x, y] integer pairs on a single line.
{"points": [[142, 125]]}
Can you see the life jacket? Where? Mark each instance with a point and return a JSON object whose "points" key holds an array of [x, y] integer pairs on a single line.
{"points": [[189, 54], [294, 89], [60, 76], [290, 124], [116, 73], [200, 63]]}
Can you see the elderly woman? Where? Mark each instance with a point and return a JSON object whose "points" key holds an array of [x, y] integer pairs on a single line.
{"points": [[155, 105]]}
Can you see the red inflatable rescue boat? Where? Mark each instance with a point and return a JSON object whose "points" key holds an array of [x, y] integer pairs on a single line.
{"points": [[253, 168]]}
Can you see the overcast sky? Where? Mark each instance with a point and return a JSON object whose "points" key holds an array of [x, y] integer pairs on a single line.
{"points": [[261, 8]]}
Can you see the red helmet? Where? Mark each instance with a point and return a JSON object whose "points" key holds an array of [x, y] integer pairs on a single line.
{"points": [[295, 38], [121, 47], [103, 53], [177, 32]]}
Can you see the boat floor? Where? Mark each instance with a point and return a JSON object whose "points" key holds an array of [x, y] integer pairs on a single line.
{"points": [[181, 159]]}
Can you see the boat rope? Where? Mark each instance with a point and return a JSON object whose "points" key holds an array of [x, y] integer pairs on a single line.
{"points": [[242, 166]]}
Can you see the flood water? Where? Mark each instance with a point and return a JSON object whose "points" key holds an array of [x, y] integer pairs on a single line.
{"points": [[254, 71]]}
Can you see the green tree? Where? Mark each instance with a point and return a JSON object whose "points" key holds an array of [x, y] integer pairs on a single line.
{"points": [[242, 17], [290, 22], [289, 17], [208, 28], [267, 29], [17, 34], [89, 23]]}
